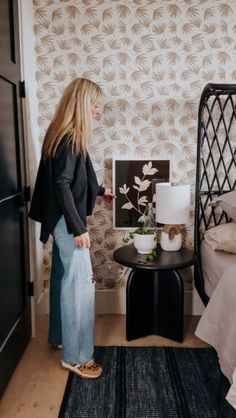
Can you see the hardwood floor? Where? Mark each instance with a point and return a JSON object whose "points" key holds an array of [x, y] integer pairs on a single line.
{"points": [[37, 386]]}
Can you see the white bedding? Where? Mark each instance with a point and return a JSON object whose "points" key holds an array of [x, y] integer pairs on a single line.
{"points": [[214, 263], [217, 325]]}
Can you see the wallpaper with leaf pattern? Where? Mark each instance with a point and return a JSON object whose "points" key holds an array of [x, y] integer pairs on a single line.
{"points": [[152, 59]]}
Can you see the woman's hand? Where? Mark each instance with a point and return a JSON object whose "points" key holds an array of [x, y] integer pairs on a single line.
{"points": [[108, 195], [83, 240]]}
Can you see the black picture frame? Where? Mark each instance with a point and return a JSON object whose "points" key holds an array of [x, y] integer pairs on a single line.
{"points": [[131, 176]]}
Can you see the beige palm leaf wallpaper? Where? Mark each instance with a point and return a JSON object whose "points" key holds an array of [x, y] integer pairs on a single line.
{"points": [[152, 58]]}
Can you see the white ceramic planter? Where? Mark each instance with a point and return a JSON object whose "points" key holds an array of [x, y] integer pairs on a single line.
{"points": [[144, 244]]}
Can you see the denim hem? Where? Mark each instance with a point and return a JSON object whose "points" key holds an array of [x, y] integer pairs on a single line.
{"points": [[76, 362]]}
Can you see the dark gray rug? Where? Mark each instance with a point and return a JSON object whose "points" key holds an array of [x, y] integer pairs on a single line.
{"points": [[150, 382]]}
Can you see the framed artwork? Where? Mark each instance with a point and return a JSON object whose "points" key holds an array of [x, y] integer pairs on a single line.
{"points": [[134, 184]]}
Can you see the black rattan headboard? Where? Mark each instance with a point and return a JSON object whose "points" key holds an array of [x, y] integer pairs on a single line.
{"points": [[216, 162]]}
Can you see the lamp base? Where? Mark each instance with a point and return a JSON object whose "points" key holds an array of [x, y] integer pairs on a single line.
{"points": [[171, 238]]}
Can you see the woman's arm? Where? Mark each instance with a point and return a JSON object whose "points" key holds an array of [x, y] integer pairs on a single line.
{"points": [[64, 164]]}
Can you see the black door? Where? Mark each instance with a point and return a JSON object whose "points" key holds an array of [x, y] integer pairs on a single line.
{"points": [[15, 326]]}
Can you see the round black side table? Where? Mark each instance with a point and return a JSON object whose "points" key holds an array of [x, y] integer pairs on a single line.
{"points": [[154, 292]]}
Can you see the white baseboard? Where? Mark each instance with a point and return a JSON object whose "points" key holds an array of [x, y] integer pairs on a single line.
{"points": [[192, 303], [113, 301], [198, 306]]}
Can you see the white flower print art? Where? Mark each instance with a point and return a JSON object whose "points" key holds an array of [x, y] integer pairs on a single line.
{"points": [[134, 184]]}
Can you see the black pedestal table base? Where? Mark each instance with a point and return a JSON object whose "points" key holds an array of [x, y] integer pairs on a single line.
{"points": [[155, 304]]}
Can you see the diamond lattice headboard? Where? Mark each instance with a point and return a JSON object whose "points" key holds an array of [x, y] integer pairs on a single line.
{"points": [[216, 160]]}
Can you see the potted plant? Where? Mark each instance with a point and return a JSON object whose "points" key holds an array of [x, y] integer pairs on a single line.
{"points": [[144, 239]]}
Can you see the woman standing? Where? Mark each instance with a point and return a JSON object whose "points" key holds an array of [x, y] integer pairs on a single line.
{"points": [[65, 192]]}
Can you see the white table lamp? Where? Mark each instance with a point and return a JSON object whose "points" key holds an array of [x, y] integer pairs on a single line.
{"points": [[172, 210]]}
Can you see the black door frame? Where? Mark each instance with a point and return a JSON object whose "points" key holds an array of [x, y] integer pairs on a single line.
{"points": [[18, 335]]}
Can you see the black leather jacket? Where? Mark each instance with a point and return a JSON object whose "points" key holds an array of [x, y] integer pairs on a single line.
{"points": [[65, 184]]}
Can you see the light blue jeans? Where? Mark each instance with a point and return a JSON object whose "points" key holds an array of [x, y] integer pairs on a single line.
{"points": [[77, 298]]}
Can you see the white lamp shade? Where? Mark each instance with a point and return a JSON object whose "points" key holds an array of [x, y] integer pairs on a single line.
{"points": [[172, 204]]}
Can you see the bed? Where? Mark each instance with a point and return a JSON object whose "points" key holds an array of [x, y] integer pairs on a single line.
{"points": [[215, 271]]}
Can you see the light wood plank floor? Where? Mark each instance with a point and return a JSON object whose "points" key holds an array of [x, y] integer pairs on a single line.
{"points": [[37, 386]]}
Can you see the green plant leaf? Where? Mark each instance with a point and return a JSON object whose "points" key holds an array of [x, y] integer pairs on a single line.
{"points": [[152, 256]]}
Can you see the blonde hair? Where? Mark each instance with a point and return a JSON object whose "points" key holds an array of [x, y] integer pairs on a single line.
{"points": [[73, 117]]}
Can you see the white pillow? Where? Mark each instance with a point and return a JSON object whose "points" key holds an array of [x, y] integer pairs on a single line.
{"points": [[227, 202], [222, 237]]}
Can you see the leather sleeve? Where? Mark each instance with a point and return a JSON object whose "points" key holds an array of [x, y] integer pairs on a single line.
{"points": [[101, 190], [64, 164]]}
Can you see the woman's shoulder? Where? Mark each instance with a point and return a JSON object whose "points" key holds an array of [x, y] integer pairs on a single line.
{"points": [[65, 142], [66, 148], [65, 145]]}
